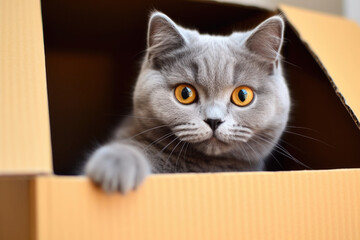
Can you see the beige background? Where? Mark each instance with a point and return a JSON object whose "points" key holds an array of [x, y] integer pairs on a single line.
{"points": [[347, 8]]}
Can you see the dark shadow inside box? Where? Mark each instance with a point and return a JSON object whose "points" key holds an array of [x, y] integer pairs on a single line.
{"points": [[321, 133], [93, 55]]}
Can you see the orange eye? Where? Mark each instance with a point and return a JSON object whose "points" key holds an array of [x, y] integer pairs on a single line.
{"points": [[242, 96], [185, 94]]}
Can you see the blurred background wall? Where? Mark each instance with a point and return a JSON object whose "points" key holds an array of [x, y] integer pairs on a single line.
{"points": [[347, 8], [351, 9]]}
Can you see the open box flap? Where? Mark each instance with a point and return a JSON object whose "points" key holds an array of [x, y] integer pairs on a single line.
{"points": [[24, 118], [334, 41]]}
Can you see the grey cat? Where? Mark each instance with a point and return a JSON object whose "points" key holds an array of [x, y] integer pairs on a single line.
{"points": [[202, 103]]}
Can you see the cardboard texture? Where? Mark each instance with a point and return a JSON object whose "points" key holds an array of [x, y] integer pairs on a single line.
{"points": [[262, 205], [24, 117], [221, 206], [256, 205]]}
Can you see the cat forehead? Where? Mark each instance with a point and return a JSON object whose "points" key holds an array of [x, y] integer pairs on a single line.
{"points": [[214, 46], [215, 62]]}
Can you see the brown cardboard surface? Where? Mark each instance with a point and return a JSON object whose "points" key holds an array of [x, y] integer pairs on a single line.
{"points": [[335, 42], [14, 208], [263, 205], [24, 119]]}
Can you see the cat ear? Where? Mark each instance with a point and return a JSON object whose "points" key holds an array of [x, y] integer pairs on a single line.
{"points": [[267, 38], [163, 35]]}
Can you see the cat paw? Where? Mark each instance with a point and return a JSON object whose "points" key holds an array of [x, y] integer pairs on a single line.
{"points": [[117, 167]]}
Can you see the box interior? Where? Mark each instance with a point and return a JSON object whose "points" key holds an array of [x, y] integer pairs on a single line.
{"points": [[93, 53]]}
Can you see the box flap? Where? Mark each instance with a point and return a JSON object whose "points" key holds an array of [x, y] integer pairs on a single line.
{"points": [[335, 41], [24, 120], [261, 205], [15, 202]]}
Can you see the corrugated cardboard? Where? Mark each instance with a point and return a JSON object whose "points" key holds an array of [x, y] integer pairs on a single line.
{"points": [[24, 117], [258, 205], [263, 205]]}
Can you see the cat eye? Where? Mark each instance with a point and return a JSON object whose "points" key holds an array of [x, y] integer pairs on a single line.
{"points": [[242, 96], [185, 93]]}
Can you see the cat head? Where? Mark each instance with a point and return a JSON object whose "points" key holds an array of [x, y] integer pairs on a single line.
{"points": [[216, 92]]}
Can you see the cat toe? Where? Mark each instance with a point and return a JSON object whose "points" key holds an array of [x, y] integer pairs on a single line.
{"points": [[117, 168]]}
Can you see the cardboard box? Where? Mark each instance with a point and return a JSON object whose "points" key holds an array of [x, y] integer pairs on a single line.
{"points": [[88, 48], [261, 205]]}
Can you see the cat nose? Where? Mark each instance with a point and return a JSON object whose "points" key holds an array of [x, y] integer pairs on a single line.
{"points": [[213, 123]]}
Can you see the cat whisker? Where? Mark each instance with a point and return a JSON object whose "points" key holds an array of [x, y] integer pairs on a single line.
{"points": [[177, 160], [246, 135], [139, 53], [167, 160], [246, 155], [184, 129], [185, 135], [184, 126], [277, 145], [291, 145], [148, 130], [188, 139], [237, 137], [294, 159], [277, 160], [167, 145], [187, 145], [282, 140], [252, 150], [244, 130], [290, 63], [192, 139], [132, 116], [281, 150], [308, 137], [159, 140], [189, 136], [305, 128]]}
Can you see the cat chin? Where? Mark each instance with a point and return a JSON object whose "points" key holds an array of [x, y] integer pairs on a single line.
{"points": [[212, 147]]}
